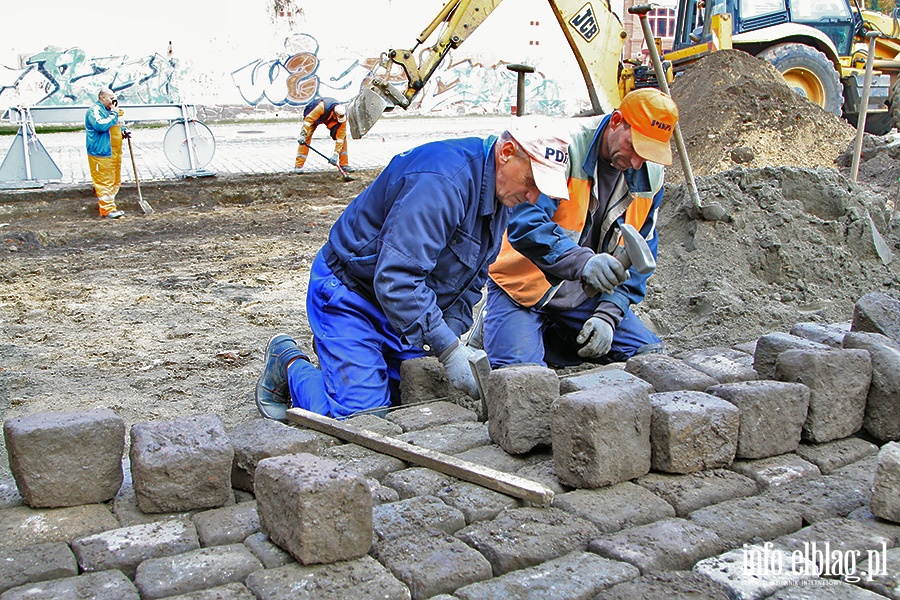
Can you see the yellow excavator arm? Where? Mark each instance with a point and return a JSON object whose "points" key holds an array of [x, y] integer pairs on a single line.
{"points": [[594, 33]]}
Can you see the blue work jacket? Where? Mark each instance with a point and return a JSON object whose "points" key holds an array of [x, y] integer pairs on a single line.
{"points": [[97, 123], [418, 241]]}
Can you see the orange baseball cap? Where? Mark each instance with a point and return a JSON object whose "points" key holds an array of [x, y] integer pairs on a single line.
{"points": [[652, 116]]}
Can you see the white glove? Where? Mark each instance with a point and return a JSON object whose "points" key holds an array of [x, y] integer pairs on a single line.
{"points": [[304, 135], [456, 364], [603, 272], [596, 335], [334, 159]]}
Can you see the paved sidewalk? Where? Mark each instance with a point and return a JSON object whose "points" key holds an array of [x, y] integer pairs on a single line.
{"points": [[254, 147]]}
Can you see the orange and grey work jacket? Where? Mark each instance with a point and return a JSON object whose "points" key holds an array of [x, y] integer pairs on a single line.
{"points": [[547, 244], [322, 113]]}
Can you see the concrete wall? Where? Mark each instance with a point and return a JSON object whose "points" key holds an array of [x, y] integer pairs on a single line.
{"points": [[263, 55]]}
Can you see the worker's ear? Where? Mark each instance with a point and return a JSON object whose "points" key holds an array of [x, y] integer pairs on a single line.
{"points": [[616, 119], [507, 150]]}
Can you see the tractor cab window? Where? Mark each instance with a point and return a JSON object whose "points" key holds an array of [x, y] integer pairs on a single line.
{"points": [[751, 9], [819, 10]]}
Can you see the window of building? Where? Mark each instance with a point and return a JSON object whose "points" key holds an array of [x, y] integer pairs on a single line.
{"points": [[662, 22]]}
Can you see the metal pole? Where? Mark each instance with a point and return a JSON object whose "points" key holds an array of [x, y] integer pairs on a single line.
{"points": [[520, 86], [863, 106], [26, 134], [187, 137], [641, 11]]}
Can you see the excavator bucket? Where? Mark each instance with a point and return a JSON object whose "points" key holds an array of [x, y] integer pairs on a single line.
{"points": [[364, 110]]}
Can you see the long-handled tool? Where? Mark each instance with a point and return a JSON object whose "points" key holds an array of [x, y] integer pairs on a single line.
{"points": [[145, 206], [344, 173]]}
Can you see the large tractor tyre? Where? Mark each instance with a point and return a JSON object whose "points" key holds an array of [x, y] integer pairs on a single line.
{"points": [[893, 104], [809, 73]]}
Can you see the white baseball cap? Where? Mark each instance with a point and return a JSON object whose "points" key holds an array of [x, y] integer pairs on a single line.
{"points": [[340, 111], [548, 148]]}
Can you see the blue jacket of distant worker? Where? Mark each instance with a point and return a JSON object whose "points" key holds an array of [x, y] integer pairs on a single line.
{"points": [[97, 123], [417, 242]]}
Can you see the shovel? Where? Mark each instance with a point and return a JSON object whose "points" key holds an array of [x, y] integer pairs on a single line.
{"points": [[344, 173], [145, 206]]}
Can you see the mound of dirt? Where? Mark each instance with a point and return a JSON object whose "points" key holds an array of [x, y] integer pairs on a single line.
{"points": [[737, 110], [799, 247]]}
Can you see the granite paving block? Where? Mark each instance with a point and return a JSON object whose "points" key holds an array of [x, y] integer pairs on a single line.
{"points": [[667, 545], [61, 459], [672, 585], [692, 431], [268, 553], [772, 415], [23, 526], [33, 564], [423, 379], [417, 481], [836, 454], [231, 591], [105, 585], [880, 573], [687, 493], [769, 346], [877, 313], [125, 508], [824, 589], [886, 492], [830, 334], [9, 494], [432, 563], [836, 545], [615, 507], [776, 470], [821, 498], [127, 547], [227, 525], [183, 464], [431, 414], [476, 503], [452, 438], [493, 456], [755, 572], [360, 579], [887, 528], [747, 520], [381, 494], [375, 424], [601, 376], [667, 374], [196, 570], [544, 472], [423, 513], [524, 537], [601, 436], [263, 438], [725, 365], [364, 461], [573, 576], [316, 509], [882, 417], [518, 400], [838, 382]]}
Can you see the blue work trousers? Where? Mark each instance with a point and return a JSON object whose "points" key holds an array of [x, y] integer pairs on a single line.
{"points": [[359, 351], [515, 335]]}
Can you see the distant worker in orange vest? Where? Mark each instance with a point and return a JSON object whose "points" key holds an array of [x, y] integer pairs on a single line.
{"points": [[104, 148], [332, 114]]}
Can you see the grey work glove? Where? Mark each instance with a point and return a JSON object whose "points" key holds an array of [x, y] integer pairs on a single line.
{"points": [[603, 272], [456, 364], [596, 335], [334, 159], [304, 133]]}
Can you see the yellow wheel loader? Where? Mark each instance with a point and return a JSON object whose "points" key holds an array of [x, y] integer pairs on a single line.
{"points": [[819, 46]]}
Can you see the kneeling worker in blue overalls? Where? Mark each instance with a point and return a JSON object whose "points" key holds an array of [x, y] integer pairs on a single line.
{"points": [[403, 267]]}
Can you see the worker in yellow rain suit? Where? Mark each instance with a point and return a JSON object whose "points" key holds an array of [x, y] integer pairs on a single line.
{"points": [[332, 114], [104, 148]]}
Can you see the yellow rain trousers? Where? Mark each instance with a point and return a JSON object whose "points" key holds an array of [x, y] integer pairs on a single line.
{"points": [[106, 173]]}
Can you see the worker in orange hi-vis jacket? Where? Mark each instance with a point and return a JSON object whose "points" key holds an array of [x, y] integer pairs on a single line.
{"points": [[332, 114]]}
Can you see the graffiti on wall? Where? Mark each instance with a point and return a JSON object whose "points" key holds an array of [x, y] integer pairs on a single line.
{"points": [[456, 87], [58, 77]]}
